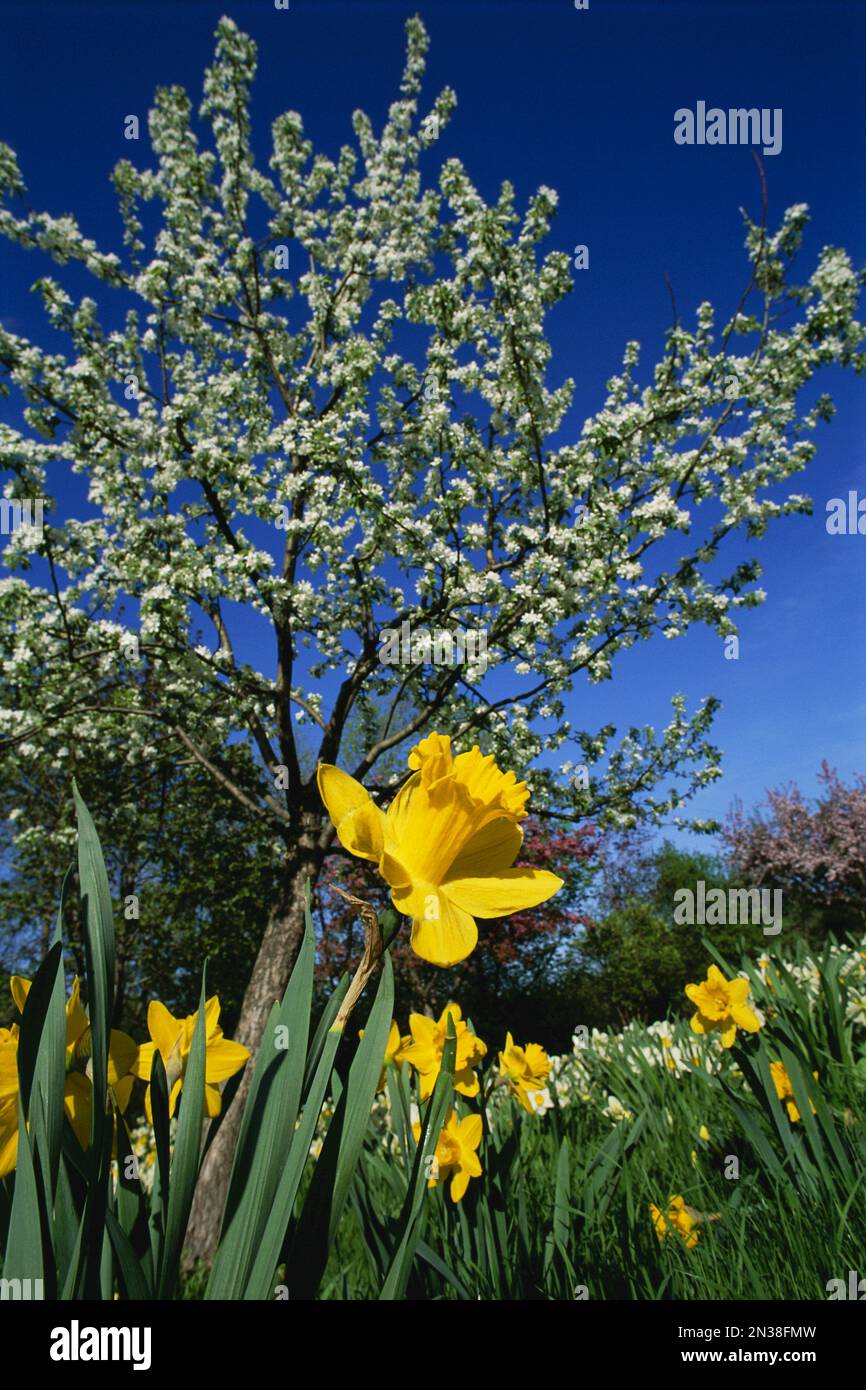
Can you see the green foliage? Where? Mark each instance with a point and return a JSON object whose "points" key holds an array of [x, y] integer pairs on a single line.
{"points": [[67, 1218], [563, 1211], [201, 871], [773, 1182], [633, 961], [632, 967]]}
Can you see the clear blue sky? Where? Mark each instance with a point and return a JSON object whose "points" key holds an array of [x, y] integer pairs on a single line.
{"points": [[582, 101]]}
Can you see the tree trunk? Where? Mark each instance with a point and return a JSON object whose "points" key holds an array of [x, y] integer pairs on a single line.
{"points": [[274, 962]]}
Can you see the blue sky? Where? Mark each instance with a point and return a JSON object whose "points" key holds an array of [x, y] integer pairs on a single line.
{"points": [[582, 101]]}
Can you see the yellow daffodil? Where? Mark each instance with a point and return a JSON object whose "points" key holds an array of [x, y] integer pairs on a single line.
{"points": [[77, 1087], [424, 1050], [8, 1099], [722, 1005], [445, 846], [173, 1037], [455, 1155], [785, 1090], [526, 1070], [679, 1219], [392, 1047], [394, 1043]]}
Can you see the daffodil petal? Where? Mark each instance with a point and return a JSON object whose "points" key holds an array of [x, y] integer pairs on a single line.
{"points": [[122, 1090], [432, 757], [427, 827], [357, 819], [423, 1029], [8, 1138], [487, 783], [212, 1100], [212, 1015], [122, 1052], [163, 1027], [470, 1130], [459, 1184], [392, 1045], [417, 899], [450, 938], [175, 1092], [77, 1023], [494, 847], [78, 1102], [436, 815], [8, 1071], [394, 871], [467, 1083], [224, 1059], [143, 1061], [729, 1033], [744, 1018], [399, 812], [19, 988], [537, 1059], [498, 895]]}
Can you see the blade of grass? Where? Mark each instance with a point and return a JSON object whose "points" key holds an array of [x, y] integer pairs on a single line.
{"points": [[187, 1153]]}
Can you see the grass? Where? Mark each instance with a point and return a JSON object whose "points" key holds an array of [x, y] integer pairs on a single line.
{"points": [[563, 1207]]}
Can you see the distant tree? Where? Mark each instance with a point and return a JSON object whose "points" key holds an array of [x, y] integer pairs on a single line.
{"points": [[634, 960], [626, 859], [815, 852], [631, 965]]}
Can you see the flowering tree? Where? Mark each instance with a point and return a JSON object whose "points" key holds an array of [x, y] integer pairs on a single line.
{"points": [[815, 852], [314, 400]]}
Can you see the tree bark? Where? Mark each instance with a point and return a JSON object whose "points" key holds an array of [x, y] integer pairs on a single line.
{"points": [[274, 962]]}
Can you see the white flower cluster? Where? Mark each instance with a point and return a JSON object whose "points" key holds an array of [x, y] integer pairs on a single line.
{"points": [[143, 1146]]}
